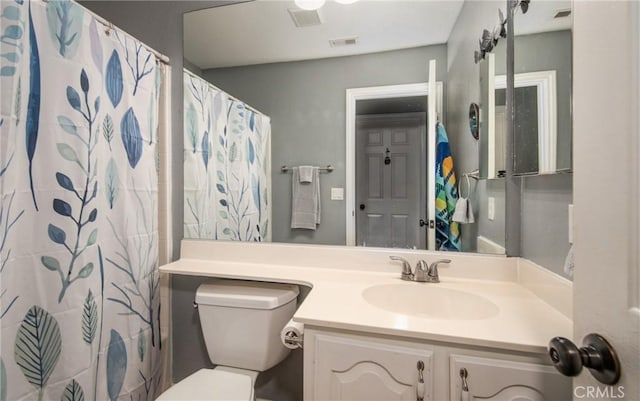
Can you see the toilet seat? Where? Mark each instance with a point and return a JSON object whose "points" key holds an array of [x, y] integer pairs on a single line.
{"points": [[211, 385]]}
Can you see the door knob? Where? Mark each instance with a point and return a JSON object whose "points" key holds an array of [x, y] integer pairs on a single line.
{"points": [[362, 206], [596, 354]]}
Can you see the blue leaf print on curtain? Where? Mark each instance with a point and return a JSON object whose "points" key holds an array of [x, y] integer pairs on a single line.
{"points": [[96, 46], [73, 392], [11, 36], [113, 79], [112, 182], [116, 365], [251, 152], [65, 25], [85, 193], [142, 344], [37, 347], [134, 56], [89, 319], [192, 126], [131, 137], [33, 107], [107, 129], [206, 151]]}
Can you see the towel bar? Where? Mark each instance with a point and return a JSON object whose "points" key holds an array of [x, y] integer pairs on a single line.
{"points": [[328, 168]]}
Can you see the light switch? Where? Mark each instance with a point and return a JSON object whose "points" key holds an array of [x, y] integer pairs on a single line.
{"points": [[337, 193], [492, 208]]}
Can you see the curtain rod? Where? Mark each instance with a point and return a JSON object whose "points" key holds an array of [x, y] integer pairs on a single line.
{"points": [[230, 97], [161, 57]]}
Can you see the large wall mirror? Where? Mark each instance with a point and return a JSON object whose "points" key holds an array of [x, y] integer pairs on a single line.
{"points": [[298, 76], [542, 95]]}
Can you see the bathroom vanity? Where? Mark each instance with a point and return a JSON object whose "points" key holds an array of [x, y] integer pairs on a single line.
{"points": [[482, 331]]}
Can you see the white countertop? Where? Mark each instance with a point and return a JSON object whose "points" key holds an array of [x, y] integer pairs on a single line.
{"points": [[523, 323]]}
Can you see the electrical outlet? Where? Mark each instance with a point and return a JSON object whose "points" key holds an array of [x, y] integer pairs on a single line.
{"points": [[491, 213]]}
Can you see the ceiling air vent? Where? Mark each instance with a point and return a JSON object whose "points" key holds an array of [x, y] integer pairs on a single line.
{"points": [[303, 18], [562, 13], [343, 41]]}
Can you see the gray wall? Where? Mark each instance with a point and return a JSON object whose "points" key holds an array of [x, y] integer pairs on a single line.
{"points": [[306, 103], [545, 219]]}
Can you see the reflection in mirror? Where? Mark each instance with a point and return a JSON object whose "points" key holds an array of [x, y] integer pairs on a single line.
{"points": [[298, 76], [542, 43], [542, 58]]}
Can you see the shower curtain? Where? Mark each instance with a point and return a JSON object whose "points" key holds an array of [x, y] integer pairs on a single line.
{"points": [[226, 166], [79, 300]]}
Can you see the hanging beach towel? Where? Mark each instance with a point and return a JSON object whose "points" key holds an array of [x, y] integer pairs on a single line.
{"points": [[447, 231]]}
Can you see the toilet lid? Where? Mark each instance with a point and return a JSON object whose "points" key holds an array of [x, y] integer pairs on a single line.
{"points": [[210, 385]]}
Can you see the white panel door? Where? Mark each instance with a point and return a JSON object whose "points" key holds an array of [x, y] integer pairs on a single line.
{"points": [[389, 179], [357, 370], [606, 92]]}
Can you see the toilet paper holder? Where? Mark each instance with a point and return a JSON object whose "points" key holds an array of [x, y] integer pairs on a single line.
{"points": [[292, 339]]}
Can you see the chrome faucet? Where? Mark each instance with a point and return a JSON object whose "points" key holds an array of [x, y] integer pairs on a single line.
{"points": [[406, 268], [424, 273]]}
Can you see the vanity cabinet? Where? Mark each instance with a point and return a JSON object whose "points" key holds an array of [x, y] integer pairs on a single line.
{"points": [[348, 368], [341, 365]]}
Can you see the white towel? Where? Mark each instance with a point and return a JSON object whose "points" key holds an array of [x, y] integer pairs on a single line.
{"points": [[305, 200], [306, 173], [463, 213]]}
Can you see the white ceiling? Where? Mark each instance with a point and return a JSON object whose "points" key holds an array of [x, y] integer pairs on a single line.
{"points": [[262, 31], [539, 17]]}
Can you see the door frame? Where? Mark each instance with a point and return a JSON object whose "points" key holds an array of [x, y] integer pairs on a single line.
{"points": [[368, 93]]}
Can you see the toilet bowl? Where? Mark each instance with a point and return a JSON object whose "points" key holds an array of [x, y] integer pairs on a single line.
{"points": [[241, 323]]}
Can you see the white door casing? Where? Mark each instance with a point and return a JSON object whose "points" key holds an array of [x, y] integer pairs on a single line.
{"points": [[606, 88], [382, 92]]}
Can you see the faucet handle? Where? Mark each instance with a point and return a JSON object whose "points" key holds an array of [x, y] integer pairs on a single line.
{"points": [[432, 272], [406, 267]]}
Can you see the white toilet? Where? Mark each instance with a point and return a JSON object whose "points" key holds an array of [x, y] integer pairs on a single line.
{"points": [[241, 323]]}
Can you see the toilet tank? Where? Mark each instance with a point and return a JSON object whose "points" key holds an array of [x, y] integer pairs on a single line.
{"points": [[241, 321]]}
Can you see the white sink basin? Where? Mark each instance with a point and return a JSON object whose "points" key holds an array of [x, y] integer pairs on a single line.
{"points": [[430, 301]]}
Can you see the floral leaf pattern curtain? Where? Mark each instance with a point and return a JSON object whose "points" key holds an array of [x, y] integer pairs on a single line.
{"points": [[79, 296], [226, 166]]}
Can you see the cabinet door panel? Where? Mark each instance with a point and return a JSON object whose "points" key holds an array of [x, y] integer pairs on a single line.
{"points": [[499, 380], [350, 369]]}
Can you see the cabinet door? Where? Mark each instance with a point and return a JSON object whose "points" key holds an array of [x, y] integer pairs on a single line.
{"points": [[499, 380], [357, 370]]}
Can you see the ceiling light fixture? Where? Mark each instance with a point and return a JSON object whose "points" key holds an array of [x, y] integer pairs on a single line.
{"points": [[310, 4]]}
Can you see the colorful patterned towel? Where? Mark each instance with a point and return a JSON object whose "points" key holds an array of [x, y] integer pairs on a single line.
{"points": [[447, 231]]}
